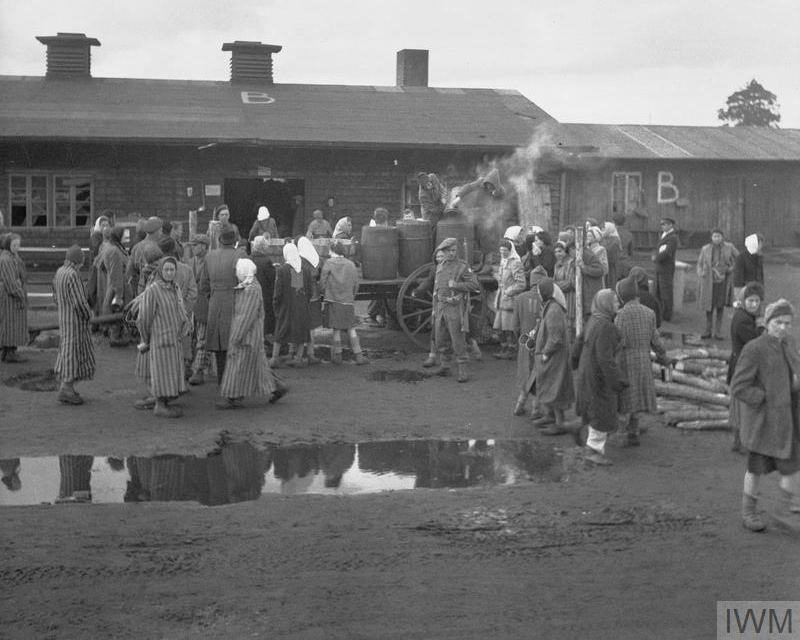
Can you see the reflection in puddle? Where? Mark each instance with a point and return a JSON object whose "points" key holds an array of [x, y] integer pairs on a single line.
{"points": [[240, 471]]}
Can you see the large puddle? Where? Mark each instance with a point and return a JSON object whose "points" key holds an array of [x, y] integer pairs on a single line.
{"points": [[240, 471]]}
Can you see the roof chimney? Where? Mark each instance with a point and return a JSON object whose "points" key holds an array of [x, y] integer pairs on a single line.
{"points": [[412, 68], [251, 61], [68, 54]]}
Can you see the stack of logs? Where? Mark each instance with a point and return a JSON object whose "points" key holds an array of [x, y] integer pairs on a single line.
{"points": [[697, 397]]}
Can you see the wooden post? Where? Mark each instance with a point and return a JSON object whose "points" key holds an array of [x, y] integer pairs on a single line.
{"points": [[578, 281]]}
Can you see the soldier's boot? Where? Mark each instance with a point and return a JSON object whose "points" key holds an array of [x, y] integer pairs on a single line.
{"points": [[444, 369], [463, 374], [430, 361]]}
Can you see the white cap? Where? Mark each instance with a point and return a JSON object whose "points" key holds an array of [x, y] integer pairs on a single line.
{"points": [[263, 213]]}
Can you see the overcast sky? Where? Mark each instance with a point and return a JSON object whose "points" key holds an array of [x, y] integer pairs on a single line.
{"points": [[618, 61]]}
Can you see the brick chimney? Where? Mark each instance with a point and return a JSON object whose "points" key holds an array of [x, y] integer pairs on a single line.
{"points": [[69, 54], [412, 68], [251, 61]]}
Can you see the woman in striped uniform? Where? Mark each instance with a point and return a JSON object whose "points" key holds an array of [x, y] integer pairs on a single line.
{"points": [[162, 323], [13, 299], [247, 372], [75, 360]]}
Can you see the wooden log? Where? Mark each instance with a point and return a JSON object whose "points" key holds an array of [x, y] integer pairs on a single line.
{"points": [[704, 425], [683, 353], [688, 415], [693, 381], [701, 369], [692, 394]]}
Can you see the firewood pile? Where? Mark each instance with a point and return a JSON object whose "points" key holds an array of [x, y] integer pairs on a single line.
{"points": [[695, 395]]}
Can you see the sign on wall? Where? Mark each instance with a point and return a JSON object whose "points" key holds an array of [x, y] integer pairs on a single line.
{"points": [[213, 189], [667, 190]]}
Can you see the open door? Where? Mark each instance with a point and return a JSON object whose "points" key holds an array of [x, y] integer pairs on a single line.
{"points": [[244, 196]]}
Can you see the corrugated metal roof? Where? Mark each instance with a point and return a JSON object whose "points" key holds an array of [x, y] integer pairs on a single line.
{"points": [[680, 143], [201, 111]]}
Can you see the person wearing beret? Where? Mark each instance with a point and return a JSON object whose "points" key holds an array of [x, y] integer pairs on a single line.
{"points": [[75, 360], [664, 257], [766, 383], [453, 283]]}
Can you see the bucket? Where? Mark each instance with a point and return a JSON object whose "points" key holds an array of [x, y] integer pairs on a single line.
{"points": [[379, 253], [415, 245], [459, 229]]}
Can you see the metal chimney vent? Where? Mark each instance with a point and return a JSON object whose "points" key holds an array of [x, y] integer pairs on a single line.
{"points": [[68, 54], [251, 61]]}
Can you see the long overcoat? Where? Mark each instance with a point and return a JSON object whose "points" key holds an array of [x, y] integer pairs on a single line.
{"points": [[638, 334], [113, 265], [511, 282], [75, 359], [527, 311], [13, 301], [217, 283], [162, 323], [727, 259], [599, 376], [762, 382], [201, 306], [554, 384], [247, 371], [291, 301]]}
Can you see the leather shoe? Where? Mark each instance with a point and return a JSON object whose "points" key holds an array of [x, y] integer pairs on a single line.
{"points": [[444, 372], [553, 430], [67, 397], [519, 408], [281, 390], [145, 403], [197, 378], [228, 403], [430, 361], [595, 457], [543, 421]]}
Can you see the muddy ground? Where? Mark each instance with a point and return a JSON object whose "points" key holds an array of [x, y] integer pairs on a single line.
{"points": [[644, 548]]}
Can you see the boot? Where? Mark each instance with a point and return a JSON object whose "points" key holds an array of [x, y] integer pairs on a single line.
{"points": [[632, 437], [229, 403], [463, 375], [360, 358], [163, 410], [430, 361], [444, 370], [197, 378], [145, 403], [281, 389], [597, 458], [312, 359], [69, 396], [785, 505], [475, 350], [501, 355], [336, 356], [750, 519], [707, 333], [737, 443], [545, 420]]}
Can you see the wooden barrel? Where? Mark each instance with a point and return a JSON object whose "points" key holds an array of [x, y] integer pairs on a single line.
{"points": [[415, 245], [323, 246], [379, 253], [459, 229]]}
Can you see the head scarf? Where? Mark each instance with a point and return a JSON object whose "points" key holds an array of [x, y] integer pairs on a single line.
{"points": [[780, 307], [512, 233], [546, 288], [603, 304], [292, 257], [99, 221], [512, 253], [610, 231], [343, 227], [259, 245], [160, 269], [559, 297], [263, 213], [245, 272], [640, 276], [307, 251], [627, 289], [751, 243], [594, 232]]}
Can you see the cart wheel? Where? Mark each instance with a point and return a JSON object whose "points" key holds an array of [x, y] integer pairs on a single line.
{"points": [[415, 314]]}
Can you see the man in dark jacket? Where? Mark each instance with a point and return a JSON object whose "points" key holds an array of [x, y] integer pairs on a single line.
{"points": [[664, 257]]}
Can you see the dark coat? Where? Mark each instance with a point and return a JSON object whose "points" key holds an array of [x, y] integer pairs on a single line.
{"points": [[613, 249], [748, 267], [291, 301], [265, 274], [664, 256], [743, 330], [652, 303], [637, 328], [554, 385], [527, 311], [762, 382], [705, 274], [592, 272], [599, 377], [217, 282]]}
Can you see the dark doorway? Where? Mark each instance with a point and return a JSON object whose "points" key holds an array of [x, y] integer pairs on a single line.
{"points": [[245, 195]]}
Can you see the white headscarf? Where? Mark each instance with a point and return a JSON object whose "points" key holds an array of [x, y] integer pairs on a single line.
{"points": [[610, 231], [292, 257], [245, 272], [307, 251], [512, 233], [751, 244], [263, 213]]}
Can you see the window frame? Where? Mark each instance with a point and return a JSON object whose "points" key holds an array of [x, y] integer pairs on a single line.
{"points": [[627, 175], [51, 188]]}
